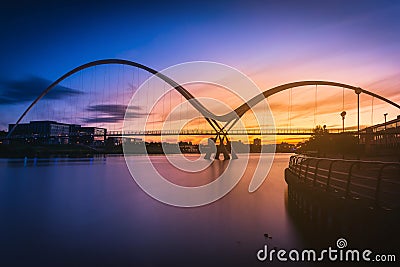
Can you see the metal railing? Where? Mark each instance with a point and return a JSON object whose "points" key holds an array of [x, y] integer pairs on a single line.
{"points": [[264, 131], [375, 182]]}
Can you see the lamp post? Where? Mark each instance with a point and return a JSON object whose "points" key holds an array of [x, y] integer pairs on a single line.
{"points": [[358, 92], [384, 115], [343, 114]]}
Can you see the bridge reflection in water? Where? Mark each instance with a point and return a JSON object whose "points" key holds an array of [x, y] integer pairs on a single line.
{"points": [[64, 212]]}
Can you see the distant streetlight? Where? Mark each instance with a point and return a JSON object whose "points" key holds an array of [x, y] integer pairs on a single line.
{"points": [[358, 92], [343, 114], [384, 115]]}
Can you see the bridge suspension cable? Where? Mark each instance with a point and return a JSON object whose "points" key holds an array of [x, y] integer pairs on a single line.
{"points": [[372, 111], [342, 98], [290, 109], [315, 104]]}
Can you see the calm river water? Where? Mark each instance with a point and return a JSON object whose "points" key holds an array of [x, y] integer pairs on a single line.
{"points": [[90, 212]]}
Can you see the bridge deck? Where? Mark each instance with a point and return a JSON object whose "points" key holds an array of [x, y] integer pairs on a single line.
{"points": [[298, 131]]}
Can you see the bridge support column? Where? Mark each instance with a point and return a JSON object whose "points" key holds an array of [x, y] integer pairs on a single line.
{"points": [[221, 148]]}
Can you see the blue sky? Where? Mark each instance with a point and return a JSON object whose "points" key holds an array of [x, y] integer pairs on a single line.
{"points": [[274, 42]]}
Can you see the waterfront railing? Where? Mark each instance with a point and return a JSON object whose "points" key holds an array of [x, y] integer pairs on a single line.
{"points": [[374, 182]]}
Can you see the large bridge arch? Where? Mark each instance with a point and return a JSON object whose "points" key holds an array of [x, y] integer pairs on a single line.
{"points": [[209, 116], [255, 100], [242, 109], [204, 111]]}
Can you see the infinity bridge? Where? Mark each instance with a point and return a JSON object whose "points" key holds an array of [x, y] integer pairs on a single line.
{"points": [[221, 125]]}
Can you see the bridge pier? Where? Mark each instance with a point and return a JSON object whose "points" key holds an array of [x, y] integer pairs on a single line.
{"points": [[221, 148]]}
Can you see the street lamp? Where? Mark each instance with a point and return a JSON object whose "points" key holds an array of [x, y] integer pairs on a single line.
{"points": [[358, 92], [384, 115], [343, 114]]}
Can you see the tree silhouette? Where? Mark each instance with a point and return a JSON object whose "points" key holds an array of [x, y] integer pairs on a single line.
{"points": [[322, 143]]}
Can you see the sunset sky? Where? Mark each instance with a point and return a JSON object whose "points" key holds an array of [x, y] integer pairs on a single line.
{"points": [[273, 42]]}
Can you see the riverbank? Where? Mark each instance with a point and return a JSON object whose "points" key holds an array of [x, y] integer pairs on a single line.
{"points": [[82, 151]]}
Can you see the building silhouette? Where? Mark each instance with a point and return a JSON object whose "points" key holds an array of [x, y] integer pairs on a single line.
{"points": [[384, 136], [52, 132]]}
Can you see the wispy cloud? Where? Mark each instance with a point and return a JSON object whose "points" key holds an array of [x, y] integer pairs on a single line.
{"points": [[112, 113], [28, 89]]}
